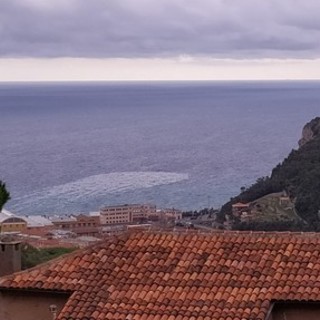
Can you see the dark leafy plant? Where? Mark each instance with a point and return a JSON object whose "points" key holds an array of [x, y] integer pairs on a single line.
{"points": [[4, 195], [31, 256]]}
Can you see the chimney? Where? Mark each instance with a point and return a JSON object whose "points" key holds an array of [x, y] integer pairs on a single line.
{"points": [[10, 257]]}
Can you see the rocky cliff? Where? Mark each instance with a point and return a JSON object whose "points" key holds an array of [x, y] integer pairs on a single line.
{"points": [[310, 131]]}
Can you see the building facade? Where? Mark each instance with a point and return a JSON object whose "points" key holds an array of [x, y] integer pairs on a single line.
{"points": [[10, 223], [125, 214], [240, 208], [80, 225]]}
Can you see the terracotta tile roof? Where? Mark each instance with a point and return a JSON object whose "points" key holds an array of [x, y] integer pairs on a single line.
{"points": [[240, 205], [166, 276]]}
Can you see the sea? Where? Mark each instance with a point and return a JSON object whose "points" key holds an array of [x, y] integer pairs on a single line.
{"points": [[76, 147]]}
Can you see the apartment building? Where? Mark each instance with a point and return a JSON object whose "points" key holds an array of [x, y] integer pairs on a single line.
{"points": [[124, 214], [172, 214], [80, 225]]}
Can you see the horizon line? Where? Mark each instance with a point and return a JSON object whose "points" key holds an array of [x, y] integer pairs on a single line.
{"points": [[157, 80]]}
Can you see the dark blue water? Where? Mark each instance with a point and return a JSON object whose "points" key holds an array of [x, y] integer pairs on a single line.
{"points": [[76, 147]]}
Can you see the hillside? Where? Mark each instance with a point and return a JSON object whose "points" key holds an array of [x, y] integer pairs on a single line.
{"points": [[299, 176]]}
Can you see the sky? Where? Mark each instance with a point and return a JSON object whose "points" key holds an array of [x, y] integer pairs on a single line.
{"points": [[52, 40]]}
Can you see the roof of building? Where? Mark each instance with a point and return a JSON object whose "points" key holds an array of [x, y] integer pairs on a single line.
{"points": [[240, 205], [7, 212], [131, 205], [65, 218], [181, 276], [37, 221], [5, 215]]}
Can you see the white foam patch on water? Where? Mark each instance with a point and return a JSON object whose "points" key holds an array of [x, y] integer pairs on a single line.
{"points": [[116, 182], [101, 184]]}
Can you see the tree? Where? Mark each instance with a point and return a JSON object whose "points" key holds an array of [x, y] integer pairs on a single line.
{"points": [[31, 256], [4, 195]]}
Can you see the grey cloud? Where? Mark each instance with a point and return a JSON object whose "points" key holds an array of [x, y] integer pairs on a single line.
{"points": [[165, 28]]}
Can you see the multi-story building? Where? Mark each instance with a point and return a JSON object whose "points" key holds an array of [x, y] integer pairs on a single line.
{"points": [[168, 214], [79, 224], [142, 212], [125, 214], [172, 214]]}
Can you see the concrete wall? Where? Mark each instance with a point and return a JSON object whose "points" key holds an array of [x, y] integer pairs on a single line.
{"points": [[16, 305]]}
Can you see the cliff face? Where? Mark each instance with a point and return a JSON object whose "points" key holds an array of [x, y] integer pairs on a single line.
{"points": [[298, 175], [310, 131]]}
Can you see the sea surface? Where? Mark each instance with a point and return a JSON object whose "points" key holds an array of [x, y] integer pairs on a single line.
{"points": [[74, 147]]}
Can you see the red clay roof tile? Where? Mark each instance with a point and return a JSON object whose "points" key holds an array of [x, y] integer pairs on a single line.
{"points": [[165, 276]]}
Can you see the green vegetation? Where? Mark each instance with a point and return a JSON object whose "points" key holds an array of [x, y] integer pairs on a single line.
{"points": [[270, 208], [202, 212], [299, 176], [272, 226], [31, 256], [269, 213], [4, 195]]}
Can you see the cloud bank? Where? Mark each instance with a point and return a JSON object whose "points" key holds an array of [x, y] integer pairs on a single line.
{"points": [[248, 29]]}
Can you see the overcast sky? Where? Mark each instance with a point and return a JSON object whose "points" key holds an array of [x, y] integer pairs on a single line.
{"points": [[159, 39]]}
